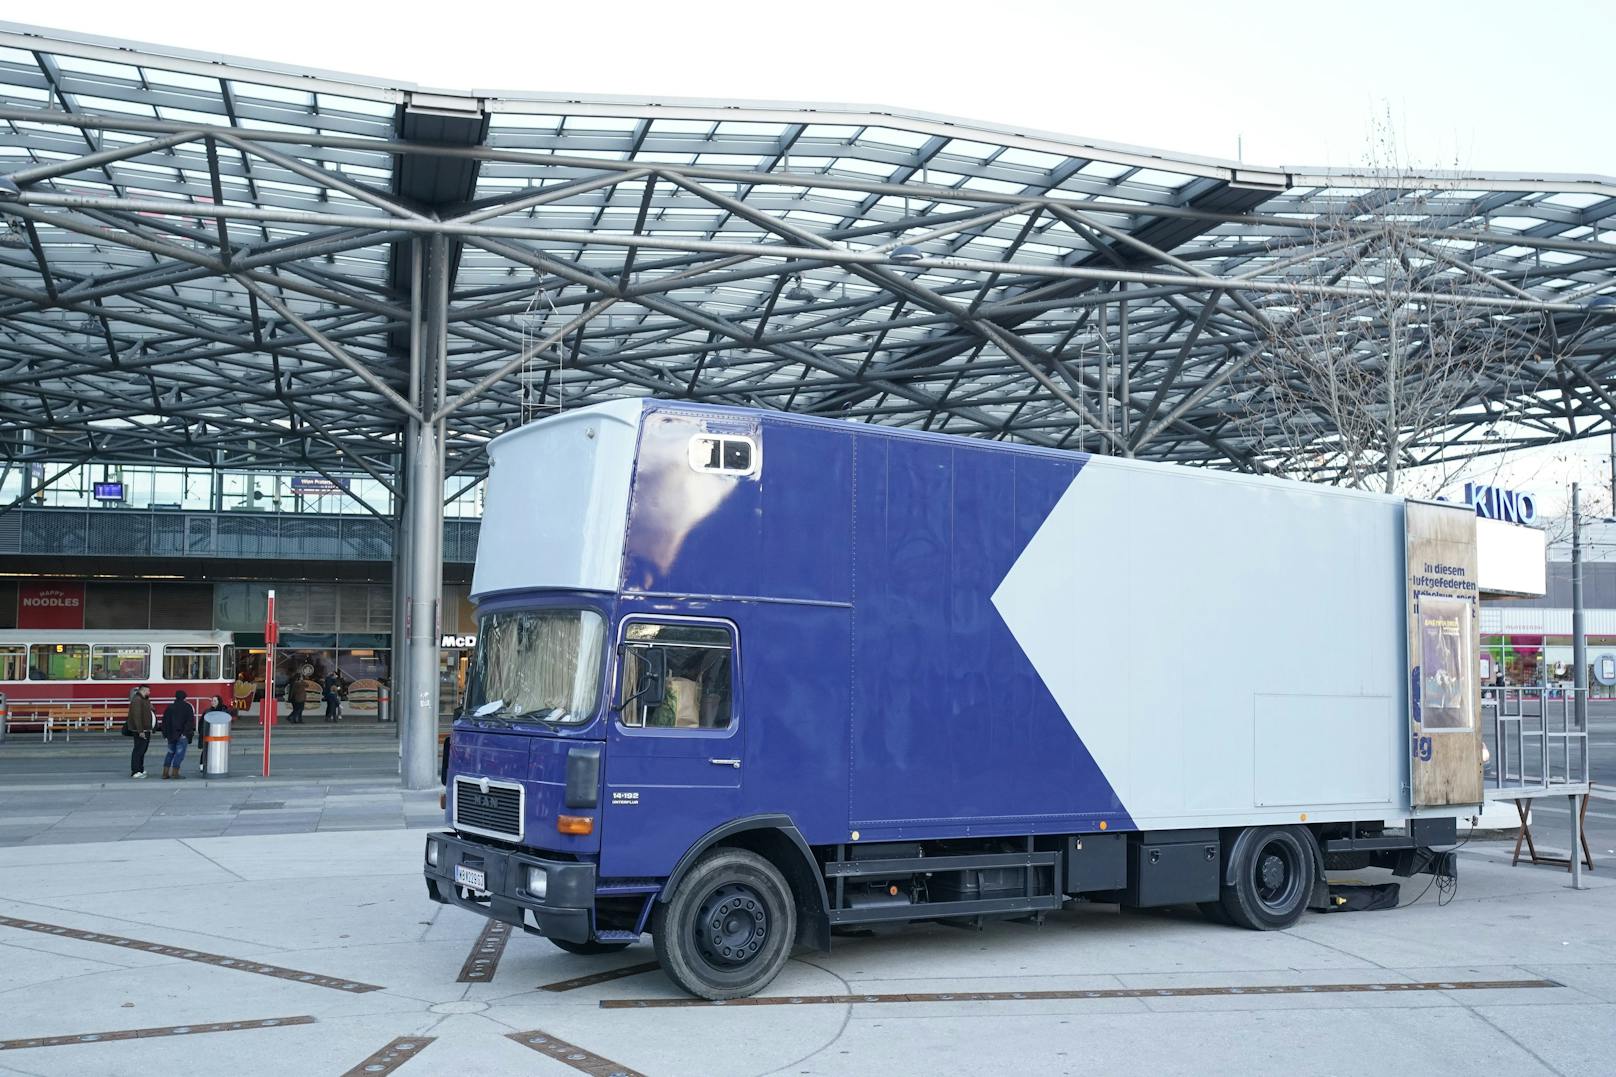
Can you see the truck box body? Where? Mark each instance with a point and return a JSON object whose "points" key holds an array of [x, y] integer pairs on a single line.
{"points": [[933, 639]]}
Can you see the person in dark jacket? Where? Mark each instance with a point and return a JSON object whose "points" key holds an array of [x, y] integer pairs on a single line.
{"points": [[179, 726], [333, 701], [140, 722], [297, 693]]}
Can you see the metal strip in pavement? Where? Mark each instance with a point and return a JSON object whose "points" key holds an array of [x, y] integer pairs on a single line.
{"points": [[152, 1033], [1115, 992], [391, 1057], [485, 953], [600, 977], [569, 1054], [239, 964]]}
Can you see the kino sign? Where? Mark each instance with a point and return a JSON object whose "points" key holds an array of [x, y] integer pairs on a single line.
{"points": [[1497, 503]]}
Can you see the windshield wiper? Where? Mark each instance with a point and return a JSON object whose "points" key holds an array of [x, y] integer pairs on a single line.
{"points": [[491, 713], [550, 716]]}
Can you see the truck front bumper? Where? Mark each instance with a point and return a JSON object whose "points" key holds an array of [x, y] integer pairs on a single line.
{"points": [[562, 911]]}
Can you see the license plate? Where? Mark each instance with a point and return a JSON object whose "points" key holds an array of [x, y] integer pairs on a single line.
{"points": [[477, 880]]}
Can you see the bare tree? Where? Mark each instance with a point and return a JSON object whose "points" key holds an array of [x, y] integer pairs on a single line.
{"points": [[1346, 385]]}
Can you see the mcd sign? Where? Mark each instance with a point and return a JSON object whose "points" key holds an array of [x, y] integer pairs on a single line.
{"points": [[50, 604]]}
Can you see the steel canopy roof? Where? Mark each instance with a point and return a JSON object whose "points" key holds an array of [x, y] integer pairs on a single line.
{"points": [[210, 261]]}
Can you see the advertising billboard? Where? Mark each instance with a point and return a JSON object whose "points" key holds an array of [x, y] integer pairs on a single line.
{"points": [[1443, 653]]}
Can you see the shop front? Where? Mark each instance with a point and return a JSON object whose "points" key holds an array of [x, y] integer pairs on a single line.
{"points": [[1547, 660]]}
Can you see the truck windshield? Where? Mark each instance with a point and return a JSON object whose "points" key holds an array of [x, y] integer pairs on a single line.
{"points": [[537, 664]]}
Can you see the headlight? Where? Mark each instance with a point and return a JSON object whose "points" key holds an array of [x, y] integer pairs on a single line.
{"points": [[537, 881], [431, 853]]}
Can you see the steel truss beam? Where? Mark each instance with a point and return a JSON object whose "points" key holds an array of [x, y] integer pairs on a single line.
{"points": [[179, 287]]}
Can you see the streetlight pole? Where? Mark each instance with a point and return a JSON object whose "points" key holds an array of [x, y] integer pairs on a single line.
{"points": [[1579, 680]]}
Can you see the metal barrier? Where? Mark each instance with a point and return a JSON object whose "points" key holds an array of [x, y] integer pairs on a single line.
{"points": [[50, 717], [1536, 741]]}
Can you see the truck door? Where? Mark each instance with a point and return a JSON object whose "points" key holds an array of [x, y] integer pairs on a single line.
{"points": [[675, 758]]}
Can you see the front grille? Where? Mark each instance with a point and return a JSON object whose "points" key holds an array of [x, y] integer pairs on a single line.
{"points": [[498, 812]]}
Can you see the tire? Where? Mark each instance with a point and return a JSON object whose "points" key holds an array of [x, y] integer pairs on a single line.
{"points": [[728, 928], [589, 949], [1273, 879]]}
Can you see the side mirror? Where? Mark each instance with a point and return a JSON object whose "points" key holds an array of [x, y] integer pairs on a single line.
{"points": [[651, 678]]}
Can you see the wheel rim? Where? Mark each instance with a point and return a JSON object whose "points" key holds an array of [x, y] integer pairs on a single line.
{"points": [[732, 926], [1277, 875]]}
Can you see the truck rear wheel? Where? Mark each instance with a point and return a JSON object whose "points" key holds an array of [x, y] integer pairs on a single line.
{"points": [[1273, 879], [727, 930]]}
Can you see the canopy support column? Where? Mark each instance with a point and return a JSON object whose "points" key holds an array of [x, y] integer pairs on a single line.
{"points": [[418, 727]]}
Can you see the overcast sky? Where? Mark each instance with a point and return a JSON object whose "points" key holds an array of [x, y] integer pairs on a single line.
{"points": [[1484, 84], [1499, 86]]}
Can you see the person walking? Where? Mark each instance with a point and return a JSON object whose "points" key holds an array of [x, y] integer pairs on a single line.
{"points": [[139, 723], [297, 693], [179, 726], [333, 701], [219, 711]]}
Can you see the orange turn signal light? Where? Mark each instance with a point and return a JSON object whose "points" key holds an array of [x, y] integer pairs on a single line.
{"points": [[575, 824]]}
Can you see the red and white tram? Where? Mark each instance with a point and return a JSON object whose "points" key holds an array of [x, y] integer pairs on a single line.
{"points": [[51, 667]]}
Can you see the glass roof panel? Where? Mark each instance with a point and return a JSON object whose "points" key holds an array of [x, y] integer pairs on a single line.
{"points": [[343, 274]]}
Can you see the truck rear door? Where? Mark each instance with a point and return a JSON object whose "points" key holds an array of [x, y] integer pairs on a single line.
{"points": [[675, 756]]}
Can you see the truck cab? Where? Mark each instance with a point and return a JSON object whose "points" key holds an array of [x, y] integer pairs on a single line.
{"points": [[601, 739]]}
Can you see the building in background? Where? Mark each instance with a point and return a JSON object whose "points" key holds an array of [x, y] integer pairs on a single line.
{"points": [[116, 568]]}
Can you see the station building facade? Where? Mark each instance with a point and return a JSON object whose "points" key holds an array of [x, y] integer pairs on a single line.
{"points": [[1528, 641], [68, 573]]}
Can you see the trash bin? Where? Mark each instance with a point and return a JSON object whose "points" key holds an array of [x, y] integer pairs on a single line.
{"points": [[216, 745]]}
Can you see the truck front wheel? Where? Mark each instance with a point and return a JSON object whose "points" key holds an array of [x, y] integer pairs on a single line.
{"points": [[1273, 879], [728, 927]]}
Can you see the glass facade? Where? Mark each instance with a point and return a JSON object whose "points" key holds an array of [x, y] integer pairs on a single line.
{"points": [[1537, 659], [344, 628], [216, 491]]}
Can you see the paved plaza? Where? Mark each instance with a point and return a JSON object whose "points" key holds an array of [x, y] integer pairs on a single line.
{"points": [[319, 953], [279, 926]]}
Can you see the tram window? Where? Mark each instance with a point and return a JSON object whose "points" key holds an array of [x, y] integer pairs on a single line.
{"points": [[13, 662], [191, 664], [59, 662], [122, 662], [229, 663]]}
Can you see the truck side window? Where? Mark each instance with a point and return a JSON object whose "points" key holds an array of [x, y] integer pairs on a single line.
{"points": [[697, 692]]}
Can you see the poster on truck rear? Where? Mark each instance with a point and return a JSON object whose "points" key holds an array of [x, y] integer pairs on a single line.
{"points": [[1445, 687], [1443, 654]]}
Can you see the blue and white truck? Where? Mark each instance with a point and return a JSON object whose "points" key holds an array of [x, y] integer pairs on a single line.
{"points": [[743, 678]]}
